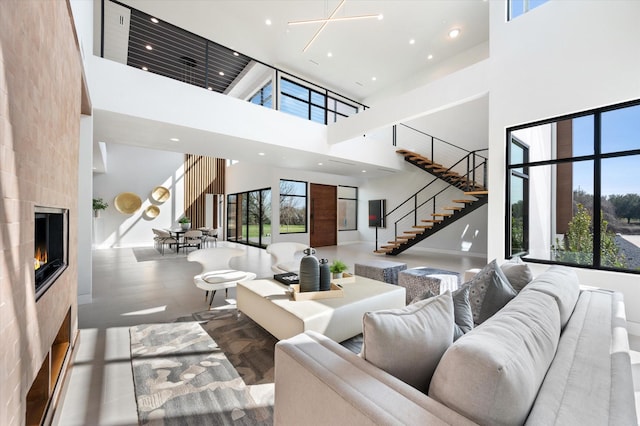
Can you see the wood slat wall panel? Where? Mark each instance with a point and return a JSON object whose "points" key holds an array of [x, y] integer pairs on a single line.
{"points": [[202, 175]]}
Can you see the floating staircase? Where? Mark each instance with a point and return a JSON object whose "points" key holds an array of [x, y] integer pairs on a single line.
{"points": [[475, 196]]}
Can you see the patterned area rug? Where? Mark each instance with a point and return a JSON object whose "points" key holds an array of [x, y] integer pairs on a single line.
{"points": [[206, 369], [182, 377]]}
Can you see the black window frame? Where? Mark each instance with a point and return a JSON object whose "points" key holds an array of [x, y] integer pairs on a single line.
{"points": [[306, 206], [596, 157], [350, 199]]}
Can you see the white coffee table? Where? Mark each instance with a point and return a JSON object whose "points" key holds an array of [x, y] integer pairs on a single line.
{"points": [[269, 303]]}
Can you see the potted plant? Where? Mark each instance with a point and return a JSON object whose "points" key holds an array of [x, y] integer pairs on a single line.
{"points": [[185, 223], [337, 268], [98, 205]]}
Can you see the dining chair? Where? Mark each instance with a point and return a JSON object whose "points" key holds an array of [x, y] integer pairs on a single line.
{"points": [[192, 238]]}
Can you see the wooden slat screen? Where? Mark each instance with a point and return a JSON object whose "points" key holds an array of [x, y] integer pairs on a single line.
{"points": [[202, 175]]}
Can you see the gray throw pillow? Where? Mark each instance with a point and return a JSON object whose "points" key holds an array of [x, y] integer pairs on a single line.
{"points": [[517, 272], [461, 312], [489, 291], [409, 342]]}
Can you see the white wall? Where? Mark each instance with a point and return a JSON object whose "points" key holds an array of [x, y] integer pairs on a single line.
{"points": [[559, 58], [245, 176], [137, 170], [466, 236]]}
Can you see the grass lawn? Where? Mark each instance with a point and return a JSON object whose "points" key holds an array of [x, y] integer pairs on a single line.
{"points": [[254, 230]]}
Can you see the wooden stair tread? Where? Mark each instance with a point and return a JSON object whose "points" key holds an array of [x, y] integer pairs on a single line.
{"points": [[463, 201], [382, 251], [441, 214], [422, 226], [453, 208], [413, 232], [476, 193], [407, 237], [431, 220]]}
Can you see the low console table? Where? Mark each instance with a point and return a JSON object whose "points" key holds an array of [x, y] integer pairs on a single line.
{"points": [[269, 303]]}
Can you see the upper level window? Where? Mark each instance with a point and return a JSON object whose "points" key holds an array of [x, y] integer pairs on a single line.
{"points": [[311, 104], [263, 96], [572, 195], [519, 7]]}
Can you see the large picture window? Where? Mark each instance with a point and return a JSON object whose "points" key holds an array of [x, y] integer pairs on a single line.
{"points": [[293, 207], [249, 217], [572, 195]]}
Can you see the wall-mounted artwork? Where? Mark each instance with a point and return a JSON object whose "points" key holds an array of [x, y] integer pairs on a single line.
{"points": [[127, 203], [152, 212], [160, 194], [377, 213]]}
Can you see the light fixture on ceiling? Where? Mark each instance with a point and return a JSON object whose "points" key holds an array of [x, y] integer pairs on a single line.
{"points": [[329, 54], [148, 47], [454, 32], [268, 22], [430, 57], [221, 73], [209, 88], [261, 154], [373, 78], [174, 140], [145, 69], [364, 171], [236, 54], [332, 18], [412, 41], [154, 20], [319, 164]]}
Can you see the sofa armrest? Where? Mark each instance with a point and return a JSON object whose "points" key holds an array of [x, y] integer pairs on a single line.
{"points": [[317, 381]]}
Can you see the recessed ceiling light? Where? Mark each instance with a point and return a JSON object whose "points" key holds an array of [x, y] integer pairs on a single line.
{"points": [[209, 88], [236, 54], [154, 20], [174, 140], [380, 17], [267, 21], [145, 69], [329, 54], [412, 41], [373, 78], [221, 73], [261, 154], [430, 57], [364, 171], [149, 47], [319, 164], [455, 32]]}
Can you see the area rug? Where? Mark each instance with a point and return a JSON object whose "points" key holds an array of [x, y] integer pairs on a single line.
{"points": [[212, 367], [182, 377], [147, 254]]}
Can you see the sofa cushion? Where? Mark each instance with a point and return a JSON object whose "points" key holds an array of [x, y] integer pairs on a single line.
{"points": [[463, 317], [517, 272], [409, 342], [561, 283], [489, 291], [492, 374]]}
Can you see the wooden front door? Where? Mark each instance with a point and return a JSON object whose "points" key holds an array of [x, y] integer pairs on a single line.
{"points": [[323, 215]]}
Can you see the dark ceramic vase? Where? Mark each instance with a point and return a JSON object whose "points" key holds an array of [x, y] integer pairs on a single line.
{"points": [[325, 275], [309, 272]]}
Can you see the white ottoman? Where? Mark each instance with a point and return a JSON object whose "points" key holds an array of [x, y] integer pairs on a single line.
{"points": [[269, 303]]}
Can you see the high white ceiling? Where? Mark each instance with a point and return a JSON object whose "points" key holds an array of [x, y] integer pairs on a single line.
{"points": [[361, 50]]}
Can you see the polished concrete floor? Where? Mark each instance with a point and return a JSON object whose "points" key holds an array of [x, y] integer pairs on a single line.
{"points": [[126, 292]]}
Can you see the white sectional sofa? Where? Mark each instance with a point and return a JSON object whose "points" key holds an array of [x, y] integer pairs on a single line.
{"points": [[553, 355]]}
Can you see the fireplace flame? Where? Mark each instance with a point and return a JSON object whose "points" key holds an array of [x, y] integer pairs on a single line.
{"points": [[40, 258]]}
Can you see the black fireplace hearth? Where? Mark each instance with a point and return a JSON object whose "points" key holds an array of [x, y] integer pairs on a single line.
{"points": [[51, 241]]}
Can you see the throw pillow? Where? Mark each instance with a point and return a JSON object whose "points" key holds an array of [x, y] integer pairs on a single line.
{"points": [[517, 272], [489, 291], [461, 313], [409, 342]]}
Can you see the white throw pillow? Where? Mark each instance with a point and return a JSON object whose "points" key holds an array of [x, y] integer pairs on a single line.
{"points": [[223, 276], [409, 342], [517, 272]]}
